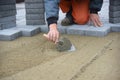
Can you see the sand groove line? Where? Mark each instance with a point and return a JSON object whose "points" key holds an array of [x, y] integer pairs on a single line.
{"points": [[86, 44], [47, 43], [98, 55], [38, 46], [30, 49]]}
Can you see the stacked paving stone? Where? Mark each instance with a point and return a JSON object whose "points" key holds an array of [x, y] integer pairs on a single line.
{"points": [[7, 14], [34, 12], [8, 20], [114, 11], [8, 29]]}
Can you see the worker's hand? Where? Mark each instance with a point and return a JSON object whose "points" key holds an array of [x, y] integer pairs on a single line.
{"points": [[53, 34], [94, 18]]}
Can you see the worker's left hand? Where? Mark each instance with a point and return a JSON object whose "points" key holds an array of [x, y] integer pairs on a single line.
{"points": [[95, 19]]}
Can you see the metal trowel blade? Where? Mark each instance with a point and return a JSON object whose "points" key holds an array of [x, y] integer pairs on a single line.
{"points": [[72, 48]]}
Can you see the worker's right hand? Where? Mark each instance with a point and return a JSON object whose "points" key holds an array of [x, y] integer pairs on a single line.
{"points": [[53, 34]]}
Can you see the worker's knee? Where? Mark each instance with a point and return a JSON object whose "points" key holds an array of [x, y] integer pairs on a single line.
{"points": [[65, 5]]}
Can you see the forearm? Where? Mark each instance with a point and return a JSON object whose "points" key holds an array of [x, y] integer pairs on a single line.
{"points": [[52, 11], [95, 6]]}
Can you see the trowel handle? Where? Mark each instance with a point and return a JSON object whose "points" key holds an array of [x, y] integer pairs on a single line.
{"points": [[46, 36]]}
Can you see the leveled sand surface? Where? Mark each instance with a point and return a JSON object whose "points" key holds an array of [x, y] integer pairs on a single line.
{"points": [[95, 58]]}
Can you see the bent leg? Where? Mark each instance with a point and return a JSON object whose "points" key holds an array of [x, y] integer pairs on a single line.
{"points": [[65, 5], [80, 11]]}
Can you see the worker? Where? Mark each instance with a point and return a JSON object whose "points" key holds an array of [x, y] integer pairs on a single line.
{"points": [[77, 12]]}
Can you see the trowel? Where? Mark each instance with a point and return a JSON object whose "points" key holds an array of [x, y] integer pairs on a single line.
{"points": [[63, 44]]}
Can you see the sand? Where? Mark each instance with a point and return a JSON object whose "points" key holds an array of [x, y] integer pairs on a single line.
{"points": [[27, 54], [24, 53]]}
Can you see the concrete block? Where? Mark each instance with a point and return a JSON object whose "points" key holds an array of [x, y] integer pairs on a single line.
{"points": [[35, 22], [7, 19], [34, 5], [89, 30], [44, 28], [0, 28], [114, 8], [35, 16], [114, 14], [62, 29], [7, 25], [115, 27], [3, 2], [31, 1], [9, 34], [114, 20], [7, 13], [29, 30], [35, 11], [7, 7], [114, 2], [98, 31], [77, 29]]}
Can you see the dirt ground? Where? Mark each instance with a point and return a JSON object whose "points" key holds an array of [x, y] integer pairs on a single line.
{"points": [[29, 52]]}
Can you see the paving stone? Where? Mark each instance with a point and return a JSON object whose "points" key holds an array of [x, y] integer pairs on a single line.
{"points": [[44, 28], [34, 5], [114, 8], [29, 30], [35, 16], [62, 29], [34, 11], [89, 30], [39, 1], [0, 28], [7, 25], [3, 2], [7, 13], [98, 31], [114, 2], [77, 29], [114, 20], [115, 27], [9, 34], [7, 19], [7, 7], [35, 22], [114, 14]]}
